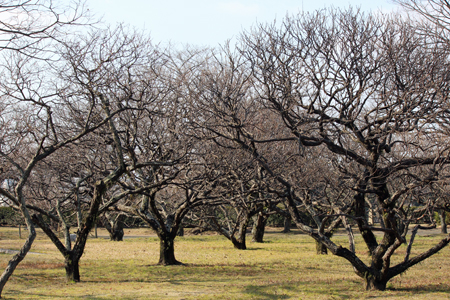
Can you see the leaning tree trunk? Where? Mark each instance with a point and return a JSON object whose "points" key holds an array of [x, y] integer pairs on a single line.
{"points": [[167, 251], [12, 264], [259, 227]]}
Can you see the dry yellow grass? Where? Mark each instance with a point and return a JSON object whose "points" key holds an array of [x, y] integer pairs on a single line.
{"points": [[285, 267]]}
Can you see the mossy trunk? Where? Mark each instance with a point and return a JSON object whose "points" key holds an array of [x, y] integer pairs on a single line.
{"points": [[321, 249], [167, 252], [72, 266]]}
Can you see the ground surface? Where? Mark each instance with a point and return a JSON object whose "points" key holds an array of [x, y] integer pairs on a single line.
{"points": [[284, 267]]}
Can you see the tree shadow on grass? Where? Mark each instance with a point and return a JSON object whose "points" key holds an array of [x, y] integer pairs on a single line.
{"points": [[294, 289], [264, 292], [422, 289], [16, 295]]}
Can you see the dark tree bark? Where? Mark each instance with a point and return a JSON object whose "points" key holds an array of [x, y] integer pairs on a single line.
{"points": [[239, 242], [238, 238], [372, 283], [167, 251], [72, 266], [166, 227], [259, 226], [180, 231]]}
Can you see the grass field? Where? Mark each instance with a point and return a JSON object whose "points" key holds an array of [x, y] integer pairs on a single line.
{"points": [[284, 267]]}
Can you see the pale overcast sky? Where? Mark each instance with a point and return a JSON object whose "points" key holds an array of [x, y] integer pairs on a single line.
{"points": [[211, 22]]}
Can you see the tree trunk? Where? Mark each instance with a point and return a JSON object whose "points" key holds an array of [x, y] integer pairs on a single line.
{"points": [[259, 226], [321, 249], [72, 267], [114, 226], [12, 264], [443, 221], [373, 284], [287, 224], [180, 231], [116, 233], [167, 252], [239, 243]]}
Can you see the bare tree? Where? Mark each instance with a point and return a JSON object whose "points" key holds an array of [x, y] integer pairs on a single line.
{"points": [[27, 25], [110, 76], [163, 194], [365, 88], [28, 32], [169, 192]]}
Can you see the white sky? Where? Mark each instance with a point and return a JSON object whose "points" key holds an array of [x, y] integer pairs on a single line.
{"points": [[211, 22]]}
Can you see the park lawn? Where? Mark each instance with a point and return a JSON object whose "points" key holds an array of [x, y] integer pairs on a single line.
{"points": [[284, 267]]}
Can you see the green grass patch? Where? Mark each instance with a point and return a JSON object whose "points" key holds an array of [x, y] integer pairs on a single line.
{"points": [[285, 267]]}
